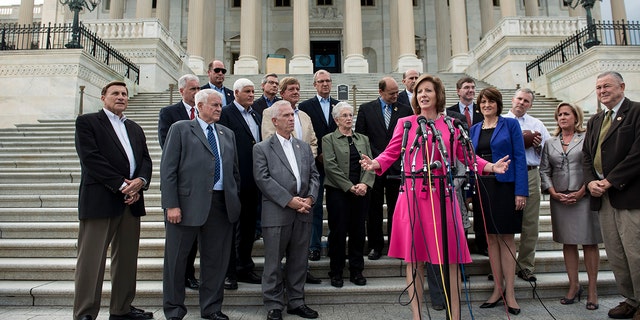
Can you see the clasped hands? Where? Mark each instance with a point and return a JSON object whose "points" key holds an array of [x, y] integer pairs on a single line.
{"points": [[598, 187], [359, 189], [301, 205], [132, 190]]}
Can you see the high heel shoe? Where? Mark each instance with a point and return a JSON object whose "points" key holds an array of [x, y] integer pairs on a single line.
{"points": [[487, 304], [566, 300], [592, 306], [514, 311]]}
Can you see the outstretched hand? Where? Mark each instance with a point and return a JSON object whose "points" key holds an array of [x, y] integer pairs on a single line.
{"points": [[368, 164], [501, 165]]}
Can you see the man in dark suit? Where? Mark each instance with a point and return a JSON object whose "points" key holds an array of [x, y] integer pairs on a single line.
{"points": [[184, 110], [269, 93], [245, 124], [116, 168], [409, 77], [286, 174], [319, 109], [199, 183], [216, 74], [466, 90], [373, 123], [614, 184]]}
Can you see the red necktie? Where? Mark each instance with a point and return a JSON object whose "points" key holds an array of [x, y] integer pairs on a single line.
{"points": [[193, 113], [467, 115]]}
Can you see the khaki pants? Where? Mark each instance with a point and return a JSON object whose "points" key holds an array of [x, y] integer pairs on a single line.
{"points": [[530, 222]]}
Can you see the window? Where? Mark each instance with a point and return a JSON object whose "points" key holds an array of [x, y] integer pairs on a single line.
{"points": [[236, 3], [496, 3], [324, 2], [283, 3], [367, 3]]}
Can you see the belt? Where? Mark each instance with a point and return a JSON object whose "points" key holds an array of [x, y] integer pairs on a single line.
{"points": [[529, 168]]}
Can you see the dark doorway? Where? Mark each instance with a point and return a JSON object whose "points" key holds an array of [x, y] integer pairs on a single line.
{"points": [[326, 55]]}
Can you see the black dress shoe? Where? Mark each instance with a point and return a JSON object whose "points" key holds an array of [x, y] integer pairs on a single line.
{"points": [[374, 254], [175, 318], [130, 316], [311, 279], [217, 316], [515, 311], [192, 283], [303, 311], [274, 314], [86, 317], [230, 283], [336, 281], [249, 277], [314, 255], [147, 314], [487, 304], [357, 279]]}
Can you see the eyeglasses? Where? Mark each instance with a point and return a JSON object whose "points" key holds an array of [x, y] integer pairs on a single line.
{"points": [[272, 82], [323, 81], [216, 70]]}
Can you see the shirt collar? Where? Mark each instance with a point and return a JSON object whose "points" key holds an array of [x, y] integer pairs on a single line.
{"points": [[114, 116]]}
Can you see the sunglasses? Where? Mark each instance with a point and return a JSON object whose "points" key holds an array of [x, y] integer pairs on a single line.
{"points": [[216, 70]]}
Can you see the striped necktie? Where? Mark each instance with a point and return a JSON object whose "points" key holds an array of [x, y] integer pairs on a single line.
{"points": [[214, 147], [387, 115]]}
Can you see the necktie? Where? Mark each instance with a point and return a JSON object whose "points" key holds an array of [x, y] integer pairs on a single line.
{"points": [[214, 147], [606, 123], [468, 116], [192, 115], [387, 115]]}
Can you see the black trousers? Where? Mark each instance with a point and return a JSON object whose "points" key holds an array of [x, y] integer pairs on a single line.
{"points": [[382, 188], [244, 234]]}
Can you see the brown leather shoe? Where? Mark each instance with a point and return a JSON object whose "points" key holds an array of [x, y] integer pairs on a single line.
{"points": [[624, 311]]}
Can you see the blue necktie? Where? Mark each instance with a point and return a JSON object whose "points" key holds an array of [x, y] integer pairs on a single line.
{"points": [[214, 147], [387, 115]]}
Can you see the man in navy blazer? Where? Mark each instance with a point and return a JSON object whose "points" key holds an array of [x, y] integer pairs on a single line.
{"points": [[245, 124], [371, 123], [409, 77], [269, 93], [116, 168], [319, 110], [216, 74]]}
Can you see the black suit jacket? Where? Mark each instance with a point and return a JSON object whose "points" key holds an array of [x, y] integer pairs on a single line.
{"points": [[476, 115], [227, 92], [232, 119], [105, 165], [403, 97], [261, 103], [320, 126], [620, 156], [168, 116], [370, 122]]}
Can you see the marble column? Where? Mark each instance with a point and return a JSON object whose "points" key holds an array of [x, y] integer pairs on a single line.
{"points": [[116, 9], [531, 8], [301, 60], [144, 9], [162, 12], [195, 31], [618, 14], [392, 35], [248, 60], [407, 58], [508, 8], [209, 35], [354, 61], [459, 36], [443, 33], [487, 21], [25, 13]]}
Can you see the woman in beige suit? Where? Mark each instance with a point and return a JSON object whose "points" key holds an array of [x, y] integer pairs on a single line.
{"points": [[572, 220]]}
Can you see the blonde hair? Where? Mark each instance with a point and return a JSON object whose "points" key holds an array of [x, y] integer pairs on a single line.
{"points": [[577, 113]]}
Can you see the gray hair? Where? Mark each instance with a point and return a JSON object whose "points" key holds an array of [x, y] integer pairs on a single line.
{"points": [[274, 110], [203, 95], [337, 109], [526, 90], [614, 74], [241, 83], [319, 72], [182, 82], [266, 76]]}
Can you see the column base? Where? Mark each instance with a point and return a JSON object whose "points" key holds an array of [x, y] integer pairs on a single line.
{"points": [[356, 64], [459, 63], [246, 65], [197, 65], [410, 62], [300, 65]]}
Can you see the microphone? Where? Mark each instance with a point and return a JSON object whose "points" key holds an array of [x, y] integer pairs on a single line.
{"points": [[448, 121], [435, 165], [440, 142], [415, 143], [422, 121], [405, 135], [463, 131]]}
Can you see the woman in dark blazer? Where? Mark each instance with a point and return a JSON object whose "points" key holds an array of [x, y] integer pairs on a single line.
{"points": [[347, 187], [572, 219], [493, 138]]}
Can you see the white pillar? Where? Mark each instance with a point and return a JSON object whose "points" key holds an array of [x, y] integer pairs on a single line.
{"points": [[487, 22], [354, 61], [459, 36], [248, 61], [531, 8], [618, 11], [25, 13], [407, 58], [116, 9], [162, 12], [301, 60], [443, 32], [194, 30], [508, 8], [209, 37], [394, 32], [144, 9]]}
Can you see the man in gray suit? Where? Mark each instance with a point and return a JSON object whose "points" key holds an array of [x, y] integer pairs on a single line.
{"points": [[285, 172], [199, 183]]}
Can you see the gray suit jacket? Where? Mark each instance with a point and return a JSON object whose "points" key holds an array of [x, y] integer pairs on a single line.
{"points": [[562, 170], [186, 172], [274, 177]]}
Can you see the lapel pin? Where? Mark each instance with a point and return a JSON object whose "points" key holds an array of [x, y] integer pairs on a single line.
{"points": [[619, 118], [395, 109]]}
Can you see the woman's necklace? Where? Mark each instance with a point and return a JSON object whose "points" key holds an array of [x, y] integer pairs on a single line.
{"points": [[486, 125], [565, 144]]}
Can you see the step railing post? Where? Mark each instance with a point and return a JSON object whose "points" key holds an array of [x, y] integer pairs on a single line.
{"points": [[171, 86], [81, 107]]}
